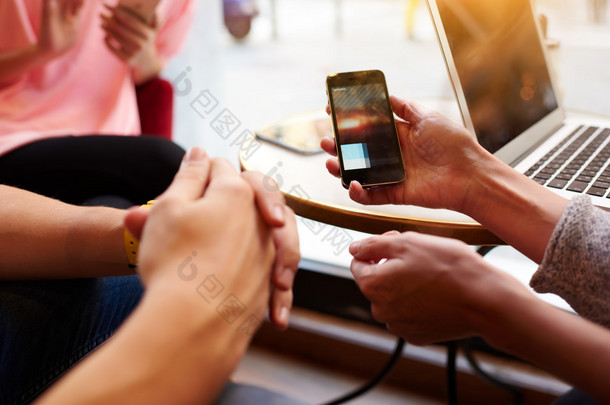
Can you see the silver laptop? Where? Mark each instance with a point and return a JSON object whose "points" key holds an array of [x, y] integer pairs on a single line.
{"points": [[501, 77]]}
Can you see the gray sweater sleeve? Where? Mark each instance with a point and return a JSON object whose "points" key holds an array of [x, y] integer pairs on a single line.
{"points": [[576, 263]]}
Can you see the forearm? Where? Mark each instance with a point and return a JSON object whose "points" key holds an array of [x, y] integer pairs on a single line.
{"points": [[570, 347], [174, 349], [514, 207], [42, 238], [14, 64]]}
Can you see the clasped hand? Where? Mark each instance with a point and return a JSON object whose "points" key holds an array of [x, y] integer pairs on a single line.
{"points": [[229, 225], [60, 23], [128, 37], [132, 40]]}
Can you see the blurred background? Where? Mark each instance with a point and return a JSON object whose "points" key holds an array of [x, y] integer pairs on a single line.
{"points": [[279, 67]]}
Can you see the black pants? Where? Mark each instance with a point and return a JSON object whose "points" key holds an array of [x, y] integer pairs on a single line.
{"points": [[78, 169], [117, 171]]}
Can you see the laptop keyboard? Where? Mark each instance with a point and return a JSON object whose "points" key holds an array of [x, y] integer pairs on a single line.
{"points": [[579, 163]]}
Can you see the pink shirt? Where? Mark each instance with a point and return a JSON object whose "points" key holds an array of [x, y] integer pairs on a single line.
{"points": [[85, 91]]}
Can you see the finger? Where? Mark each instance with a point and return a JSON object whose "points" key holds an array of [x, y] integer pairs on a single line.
{"points": [[288, 255], [131, 21], [381, 282], [192, 177], [378, 247], [269, 199], [372, 196], [286, 240], [129, 41], [332, 165], [66, 8], [328, 145], [279, 308], [51, 11], [116, 49], [408, 111], [76, 6], [391, 233], [135, 219], [225, 182], [328, 109], [363, 269], [373, 280]]}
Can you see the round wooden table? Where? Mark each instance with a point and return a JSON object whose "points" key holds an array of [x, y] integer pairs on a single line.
{"points": [[313, 193]]}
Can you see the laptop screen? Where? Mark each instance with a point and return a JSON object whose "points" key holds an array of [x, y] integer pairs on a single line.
{"points": [[500, 64]]}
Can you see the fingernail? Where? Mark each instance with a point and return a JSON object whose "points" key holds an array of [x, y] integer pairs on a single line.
{"points": [[197, 154], [283, 315], [193, 155], [278, 213], [355, 245]]}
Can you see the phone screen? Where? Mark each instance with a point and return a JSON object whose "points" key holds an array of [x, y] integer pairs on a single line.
{"points": [[363, 123]]}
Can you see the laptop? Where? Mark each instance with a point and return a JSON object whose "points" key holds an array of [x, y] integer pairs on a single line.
{"points": [[504, 86]]}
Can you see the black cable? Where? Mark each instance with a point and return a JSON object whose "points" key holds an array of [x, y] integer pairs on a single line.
{"points": [[451, 373], [516, 392], [400, 343], [382, 375], [452, 347], [483, 250]]}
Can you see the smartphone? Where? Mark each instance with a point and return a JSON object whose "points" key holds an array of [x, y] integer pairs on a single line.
{"points": [[364, 129], [145, 9]]}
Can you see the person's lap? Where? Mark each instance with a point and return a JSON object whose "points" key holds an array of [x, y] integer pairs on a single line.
{"points": [[48, 326], [74, 169]]}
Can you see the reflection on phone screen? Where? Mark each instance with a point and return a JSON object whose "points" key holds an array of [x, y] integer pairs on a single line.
{"points": [[355, 156], [365, 127]]}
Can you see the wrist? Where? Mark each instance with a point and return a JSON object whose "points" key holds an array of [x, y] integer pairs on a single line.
{"points": [[142, 74], [95, 237], [514, 207], [194, 323], [474, 180], [493, 319]]}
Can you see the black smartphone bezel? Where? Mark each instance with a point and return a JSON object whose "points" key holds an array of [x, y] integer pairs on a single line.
{"points": [[374, 176]]}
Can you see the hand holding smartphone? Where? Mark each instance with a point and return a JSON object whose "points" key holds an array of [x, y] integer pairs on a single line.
{"points": [[365, 133]]}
